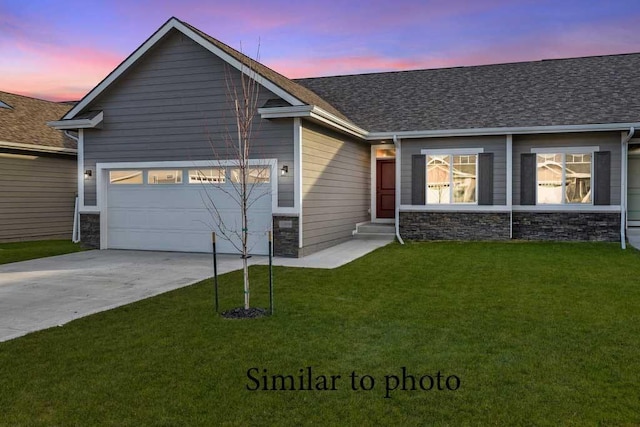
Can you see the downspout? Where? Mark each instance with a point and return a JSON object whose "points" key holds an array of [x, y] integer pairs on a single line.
{"points": [[75, 234], [623, 188], [396, 143]]}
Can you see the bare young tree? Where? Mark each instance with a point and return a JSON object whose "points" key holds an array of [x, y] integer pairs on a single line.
{"points": [[248, 178]]}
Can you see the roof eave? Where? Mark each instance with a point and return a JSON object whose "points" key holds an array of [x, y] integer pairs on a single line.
{"points": [[316, 113], [38, 148], [516, 130], [77, 124]]}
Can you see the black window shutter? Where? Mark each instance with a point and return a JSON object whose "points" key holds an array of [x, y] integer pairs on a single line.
{"points": [[485, 179], [418, 179], [601, 182], [528, 179]]}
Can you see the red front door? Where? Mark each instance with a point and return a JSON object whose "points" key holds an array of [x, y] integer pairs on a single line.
{"points": [[385, 188]]}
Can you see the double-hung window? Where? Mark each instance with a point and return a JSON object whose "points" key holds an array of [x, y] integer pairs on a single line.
{"points": [[564, 177], [451, 177]]}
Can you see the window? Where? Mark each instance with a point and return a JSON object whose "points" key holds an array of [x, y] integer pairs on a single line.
{"points": [[563, 178], [451, 178], [125, 177], [172, 176], [256, 175], [209, 175]]}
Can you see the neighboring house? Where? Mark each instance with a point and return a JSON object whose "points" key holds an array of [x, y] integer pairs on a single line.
{"points": [[532, 150], [37, 171]]}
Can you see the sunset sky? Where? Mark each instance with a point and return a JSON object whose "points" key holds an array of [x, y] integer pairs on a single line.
{"points": [[59, 50]]}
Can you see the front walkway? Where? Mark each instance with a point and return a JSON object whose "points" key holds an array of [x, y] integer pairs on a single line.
{"points": [[42, 293]]}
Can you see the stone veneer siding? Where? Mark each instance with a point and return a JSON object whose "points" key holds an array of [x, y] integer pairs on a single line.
{"points": [[454, 225], [567, 226], [285, 237], [90, 230]]}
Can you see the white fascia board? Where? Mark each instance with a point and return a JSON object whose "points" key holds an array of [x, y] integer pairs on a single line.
{"points": [[601, 127], [316, 113], [38, 148], [77, 124], [155, 38]]}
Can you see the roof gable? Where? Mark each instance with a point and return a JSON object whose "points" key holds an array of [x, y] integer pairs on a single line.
{"points": [[283, 87]]}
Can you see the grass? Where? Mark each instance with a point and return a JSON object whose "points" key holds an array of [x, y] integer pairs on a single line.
{"points": [[22, 251], [537, 333]]}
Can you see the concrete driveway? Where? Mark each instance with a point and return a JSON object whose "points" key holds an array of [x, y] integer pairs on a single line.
{"points": [[47, 292]]}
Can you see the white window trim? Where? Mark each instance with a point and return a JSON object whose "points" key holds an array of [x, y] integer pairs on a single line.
{"points": [[453, 151], [564, 151], [455, 207], [450, 152]]}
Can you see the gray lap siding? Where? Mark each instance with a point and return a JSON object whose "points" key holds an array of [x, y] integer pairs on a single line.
{"points": [[336, 174], [174, 105]]}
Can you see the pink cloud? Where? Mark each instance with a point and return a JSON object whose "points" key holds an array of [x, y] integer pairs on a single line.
{"points": [[56, 74]]}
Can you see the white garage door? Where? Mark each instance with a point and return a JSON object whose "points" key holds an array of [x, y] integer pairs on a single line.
{"points": [[176, 209]]}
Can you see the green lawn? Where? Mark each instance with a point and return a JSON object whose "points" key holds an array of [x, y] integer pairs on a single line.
{"points": [[537, 333], [22, 251]]}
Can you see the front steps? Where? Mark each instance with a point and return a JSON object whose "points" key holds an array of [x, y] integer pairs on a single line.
{"points": [[372, 230]]}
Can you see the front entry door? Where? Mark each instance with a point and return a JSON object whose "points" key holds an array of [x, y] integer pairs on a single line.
{"points": [[385, 188]]}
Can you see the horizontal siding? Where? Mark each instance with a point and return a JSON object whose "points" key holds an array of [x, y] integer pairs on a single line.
{"points": [[491, 144], [173, 105], [607, 141], [335, 186], [37, 197]]}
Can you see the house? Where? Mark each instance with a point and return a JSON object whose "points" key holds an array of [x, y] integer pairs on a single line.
{"points": [[37, 171], [532, 150]]}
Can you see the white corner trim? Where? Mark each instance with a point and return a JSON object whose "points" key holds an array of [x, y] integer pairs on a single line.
{"points": [[40, 148], [451, 151], [454, 208], [509, 187], [78, 124], [297, 180], [566, 208], [155, 38], [566, 150]]}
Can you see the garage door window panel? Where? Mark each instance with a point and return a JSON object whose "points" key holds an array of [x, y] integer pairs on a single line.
{"points": [[118, 177], [164, 176], [255, 175], [209, 176]]}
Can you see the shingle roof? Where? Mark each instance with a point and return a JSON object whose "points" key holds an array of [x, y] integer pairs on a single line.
{"points": [[589, 90], [26, 121], [299, 91]]}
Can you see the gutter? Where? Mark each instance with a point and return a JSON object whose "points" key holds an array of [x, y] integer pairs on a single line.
{"points": [[623, 188], [75, 234], [396, 143], [38, 148]]}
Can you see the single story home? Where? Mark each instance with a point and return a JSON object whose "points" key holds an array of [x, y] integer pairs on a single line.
{"points": [[533, 150], [37, 171]]}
